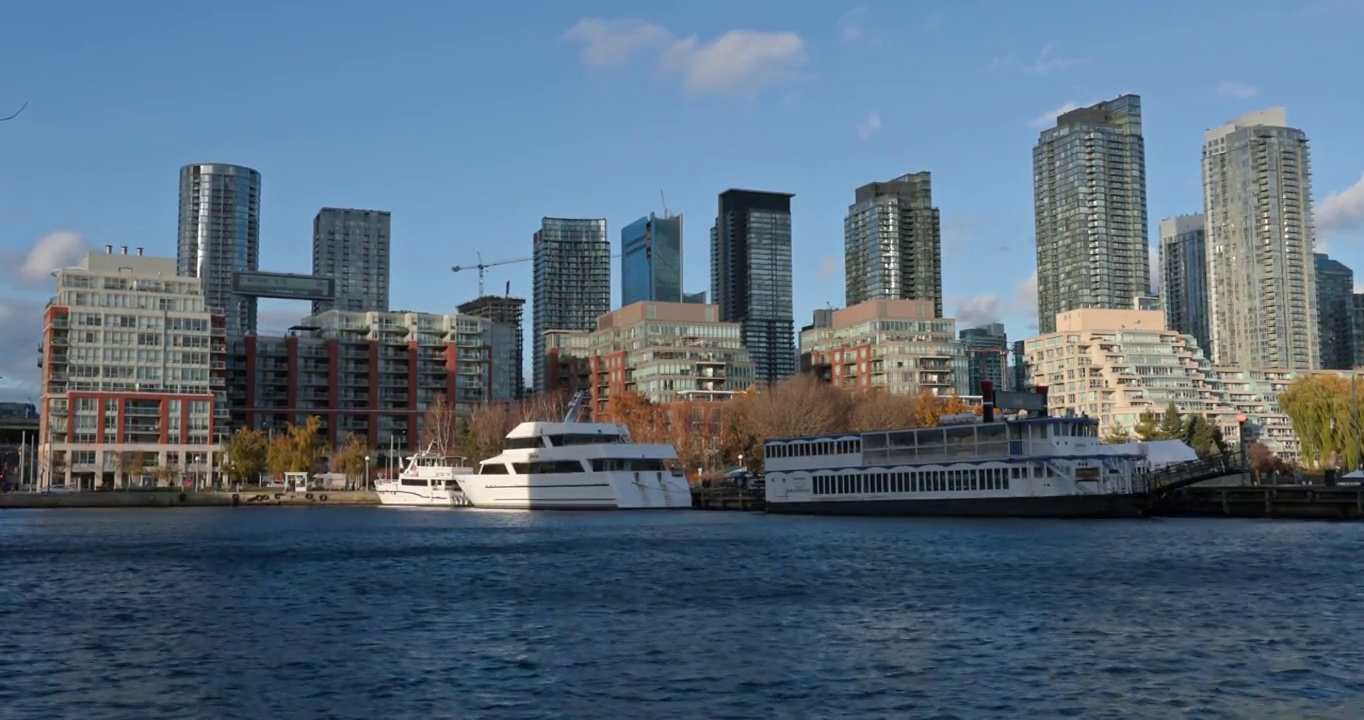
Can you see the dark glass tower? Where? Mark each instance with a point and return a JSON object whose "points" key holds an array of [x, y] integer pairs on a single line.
{"points": [[651, 260], [219, 234], [751, 262]]}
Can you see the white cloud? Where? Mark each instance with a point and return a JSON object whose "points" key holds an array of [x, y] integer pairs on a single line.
{"points": [[52, 251], [1049, 60], [1237, 90], [977, 311], [1341, 212], [1359, 288], [853, 27], [829, 268], [1049, 117], [870, 126], [738, 61]]}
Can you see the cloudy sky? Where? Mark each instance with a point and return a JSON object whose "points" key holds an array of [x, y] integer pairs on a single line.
{"points": [[470, 123]]}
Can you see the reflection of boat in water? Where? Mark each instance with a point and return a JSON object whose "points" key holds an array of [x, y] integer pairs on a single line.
{"points": [[578, 466], [429, 480], [1043, 467]]}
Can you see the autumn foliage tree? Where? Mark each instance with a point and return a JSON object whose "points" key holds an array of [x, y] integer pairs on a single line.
{"points": [[484, 434], [300, 448], [1321, 410], [246, 452], [349, 459]]}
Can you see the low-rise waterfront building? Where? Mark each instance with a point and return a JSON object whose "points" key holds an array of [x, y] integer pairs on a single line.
{"points": [[1114, 365], [373, 374], [665, 351], [133, 376], [899, 346]]}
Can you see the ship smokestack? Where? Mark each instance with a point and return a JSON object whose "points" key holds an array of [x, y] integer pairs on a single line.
{"points": [[987, 396]]}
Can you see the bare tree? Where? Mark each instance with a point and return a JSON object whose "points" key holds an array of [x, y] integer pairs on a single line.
{"points": [[439, 427], [880, 410]]}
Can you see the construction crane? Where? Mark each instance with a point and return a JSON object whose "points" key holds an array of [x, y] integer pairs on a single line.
{"points": [[482, 266]]}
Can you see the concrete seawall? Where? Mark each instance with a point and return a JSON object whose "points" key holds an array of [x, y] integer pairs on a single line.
{"points": [[116, 499]]}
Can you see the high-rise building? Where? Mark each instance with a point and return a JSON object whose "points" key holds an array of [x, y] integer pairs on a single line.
{"points": [[219, 234], [1358, 328], [505, 312], [651, 260], [134, 386], [987, 356], [352, 246], [1257, 200], [1184, 276], [751, 276], [1335, 307], [892, 242], [1089, 194], [572, 283]]}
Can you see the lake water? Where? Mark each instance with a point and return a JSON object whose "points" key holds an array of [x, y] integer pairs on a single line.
{"points": [[387, 614]]}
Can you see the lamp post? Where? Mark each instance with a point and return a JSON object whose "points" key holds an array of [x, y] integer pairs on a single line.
{"points": [[366, 483], [1241, 438]]}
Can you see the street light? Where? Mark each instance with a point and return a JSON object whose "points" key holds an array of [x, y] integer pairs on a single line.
{"points": [[366, 483], [1241, 438]]}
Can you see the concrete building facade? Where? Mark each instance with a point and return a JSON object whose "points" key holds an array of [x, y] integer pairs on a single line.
{"points": [[1089, 192], [508, 362], [1257, 199], [370, 374], [133, 376], [892, 242], [353, 247], [899, 346], [666, 352]]}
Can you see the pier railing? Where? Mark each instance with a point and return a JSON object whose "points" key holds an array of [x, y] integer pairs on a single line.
{"points": [[1179, 475]]}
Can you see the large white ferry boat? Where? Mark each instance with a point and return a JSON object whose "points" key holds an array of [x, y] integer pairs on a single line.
{"points": [[578, 466], [428, 480], [1040, 467]]}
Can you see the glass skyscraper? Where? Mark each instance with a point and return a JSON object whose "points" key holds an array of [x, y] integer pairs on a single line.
{"points": [[352, 246], [1257, 203], [892, 243], [651, 260], [1089, 194], [751, 277], [219, 234], [1335, 305], [1184, 276], [572, 282]]}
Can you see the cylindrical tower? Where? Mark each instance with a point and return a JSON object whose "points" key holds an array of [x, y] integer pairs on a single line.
{"points": [[220, 234]]}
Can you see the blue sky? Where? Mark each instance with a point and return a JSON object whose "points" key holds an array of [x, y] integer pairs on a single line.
{"points": [[470, 122]]}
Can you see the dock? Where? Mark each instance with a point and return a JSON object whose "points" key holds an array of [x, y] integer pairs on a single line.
{"points": [[1296, 502], [728, 498], [171, 498]]}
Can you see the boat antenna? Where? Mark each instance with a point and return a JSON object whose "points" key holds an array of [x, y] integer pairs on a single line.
{"points": [[575, 407]]}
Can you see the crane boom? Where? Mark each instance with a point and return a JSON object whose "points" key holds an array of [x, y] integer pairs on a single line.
{"points": [[481, 266]]}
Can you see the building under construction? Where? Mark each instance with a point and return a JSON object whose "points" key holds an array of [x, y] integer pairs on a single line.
{"points": [[505, 312]]}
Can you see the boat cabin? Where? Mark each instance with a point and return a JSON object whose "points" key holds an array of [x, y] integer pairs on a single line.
{"points": [[537, 435]]}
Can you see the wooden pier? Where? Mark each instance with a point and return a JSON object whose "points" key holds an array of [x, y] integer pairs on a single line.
{"points": [[1301, 502], [728, 498]]}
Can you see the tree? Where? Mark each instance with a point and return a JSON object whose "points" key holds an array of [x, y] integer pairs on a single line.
{"points": [[166, 474], [927, 409], [485, 432], [1116, 435], [246, 452], [299, 448], [796, 407], [1171, 423], [1147, 428], [1320, 408], [1261, 459], [880, 410], [440, 427], [1203, 436], [643, 418], [953, 405], [349, 459], [130, 465]]}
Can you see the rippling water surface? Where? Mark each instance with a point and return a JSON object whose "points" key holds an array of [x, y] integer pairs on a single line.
{"points": [[387, 614]]}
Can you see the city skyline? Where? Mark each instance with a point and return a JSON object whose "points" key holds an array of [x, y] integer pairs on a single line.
{"points": [[786, 133]]}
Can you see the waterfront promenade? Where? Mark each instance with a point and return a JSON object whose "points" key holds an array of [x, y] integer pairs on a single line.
{"points": [[170, 498]]}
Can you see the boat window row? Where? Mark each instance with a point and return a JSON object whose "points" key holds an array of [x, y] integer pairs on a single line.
{"points": [[813, 448], [570, 439], [560, 467], [925, 481]]}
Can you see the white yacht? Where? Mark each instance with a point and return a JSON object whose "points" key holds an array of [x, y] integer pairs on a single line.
{"points": [[1043, 467], [428, 480], [578, 466]]}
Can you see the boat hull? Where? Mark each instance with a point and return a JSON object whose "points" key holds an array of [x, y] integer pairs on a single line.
{"points": [[1056, 506], [579, 491], [416, 497]]}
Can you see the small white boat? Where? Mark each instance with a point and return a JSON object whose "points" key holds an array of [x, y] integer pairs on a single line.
{"points": [[429, 480]]}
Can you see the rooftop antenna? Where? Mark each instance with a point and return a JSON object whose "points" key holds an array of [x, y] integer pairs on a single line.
{"points": [[16, 113], [664, 200], [507, 292]]}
